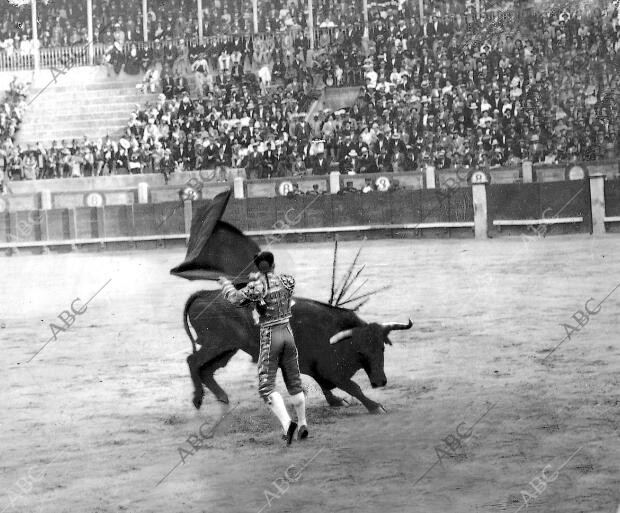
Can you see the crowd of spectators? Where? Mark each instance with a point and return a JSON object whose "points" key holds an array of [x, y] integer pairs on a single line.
{"points": [[64, 22], [464, 92], [456, 91], [232, 118], [12, 108]]}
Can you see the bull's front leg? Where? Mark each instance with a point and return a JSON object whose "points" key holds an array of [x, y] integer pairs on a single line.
{"points": [[332, 400], [352, 388]]}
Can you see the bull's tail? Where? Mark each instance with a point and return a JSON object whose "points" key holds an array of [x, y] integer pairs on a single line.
{"points": [[188, 304]]}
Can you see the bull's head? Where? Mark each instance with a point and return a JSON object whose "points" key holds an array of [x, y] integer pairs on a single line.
{"points": [[369, 343]]}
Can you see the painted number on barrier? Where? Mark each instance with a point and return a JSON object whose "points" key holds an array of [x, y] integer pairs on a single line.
{"points": [[382, 183], [284, 188], [94, 199], [478, 177], [576, 173]]}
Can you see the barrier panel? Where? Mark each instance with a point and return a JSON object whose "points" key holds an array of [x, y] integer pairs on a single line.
{"points": [[86, 226], [318, 211], [118, 221], [376, 208], [236, 214], [451, 178], [15, 203], [506, 175], [549, 173], [565, 199], [513, 201], [461, 205], [260, 189], [146, 221], [549, 203], [405, 207], [4, 227], [346, 210], [434, 206], [290, 212], [261, 214], [58, 224], [612, 198], [27, 226]]}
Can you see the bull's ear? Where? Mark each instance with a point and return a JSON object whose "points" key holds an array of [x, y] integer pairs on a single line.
{"points": [[387, 341]]}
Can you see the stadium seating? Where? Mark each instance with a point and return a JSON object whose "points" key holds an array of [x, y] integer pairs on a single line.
{"points": [[456, 91]]}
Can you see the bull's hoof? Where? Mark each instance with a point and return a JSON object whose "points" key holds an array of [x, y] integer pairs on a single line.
{"points": [[377, 410], [223, 399], [197, 400], [338, 402]]}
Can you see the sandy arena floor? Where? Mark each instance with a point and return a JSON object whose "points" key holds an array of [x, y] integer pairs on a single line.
{"points": [[96, 420]]}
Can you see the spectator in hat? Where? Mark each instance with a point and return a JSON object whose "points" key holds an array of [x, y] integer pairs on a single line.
{"points": [[350, 164], [367, 163], [321, 164]]}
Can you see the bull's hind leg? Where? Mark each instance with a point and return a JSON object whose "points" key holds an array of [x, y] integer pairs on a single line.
{"points": [[208, 369], [193, 361]]}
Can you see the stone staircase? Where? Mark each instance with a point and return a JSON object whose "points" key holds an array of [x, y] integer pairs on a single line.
{"points": [[66, 111]]}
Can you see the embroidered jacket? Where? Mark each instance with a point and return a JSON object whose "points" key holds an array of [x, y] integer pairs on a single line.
{"points": [[271, 295]]}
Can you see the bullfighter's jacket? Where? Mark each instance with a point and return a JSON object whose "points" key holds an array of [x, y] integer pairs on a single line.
{"points": [[271, 294]]}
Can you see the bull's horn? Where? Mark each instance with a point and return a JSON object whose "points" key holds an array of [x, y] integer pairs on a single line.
{"points": [[340, 336], [397, 325]]}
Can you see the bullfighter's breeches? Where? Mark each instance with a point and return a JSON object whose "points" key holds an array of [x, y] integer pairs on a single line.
{"points": [[277, 349]]}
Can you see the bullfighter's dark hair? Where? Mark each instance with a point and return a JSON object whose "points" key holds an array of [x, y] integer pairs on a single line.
{"points": [[264, 261]]}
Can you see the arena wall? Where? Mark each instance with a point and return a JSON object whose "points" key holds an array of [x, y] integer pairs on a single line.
{"points": [[125, 189], [68, 219]]}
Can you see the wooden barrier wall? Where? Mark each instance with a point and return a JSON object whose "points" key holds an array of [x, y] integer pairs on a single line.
{"points": [[563, 207], [250, 215], [125, 189]]}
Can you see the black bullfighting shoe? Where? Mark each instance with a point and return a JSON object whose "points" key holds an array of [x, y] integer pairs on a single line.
{"points": [[290, 432], [302, 434]]}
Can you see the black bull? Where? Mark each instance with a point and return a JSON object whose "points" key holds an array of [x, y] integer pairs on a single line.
{"points": [[223, 329]]}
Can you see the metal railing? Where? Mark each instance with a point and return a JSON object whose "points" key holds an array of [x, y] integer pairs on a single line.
{"points": [[79, 54]]}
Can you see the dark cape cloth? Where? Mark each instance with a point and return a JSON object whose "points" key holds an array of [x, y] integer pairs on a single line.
{"points": [[217, 248]]}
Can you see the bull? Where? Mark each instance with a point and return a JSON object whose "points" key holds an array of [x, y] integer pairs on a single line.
{"points": [[333, 344]]}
